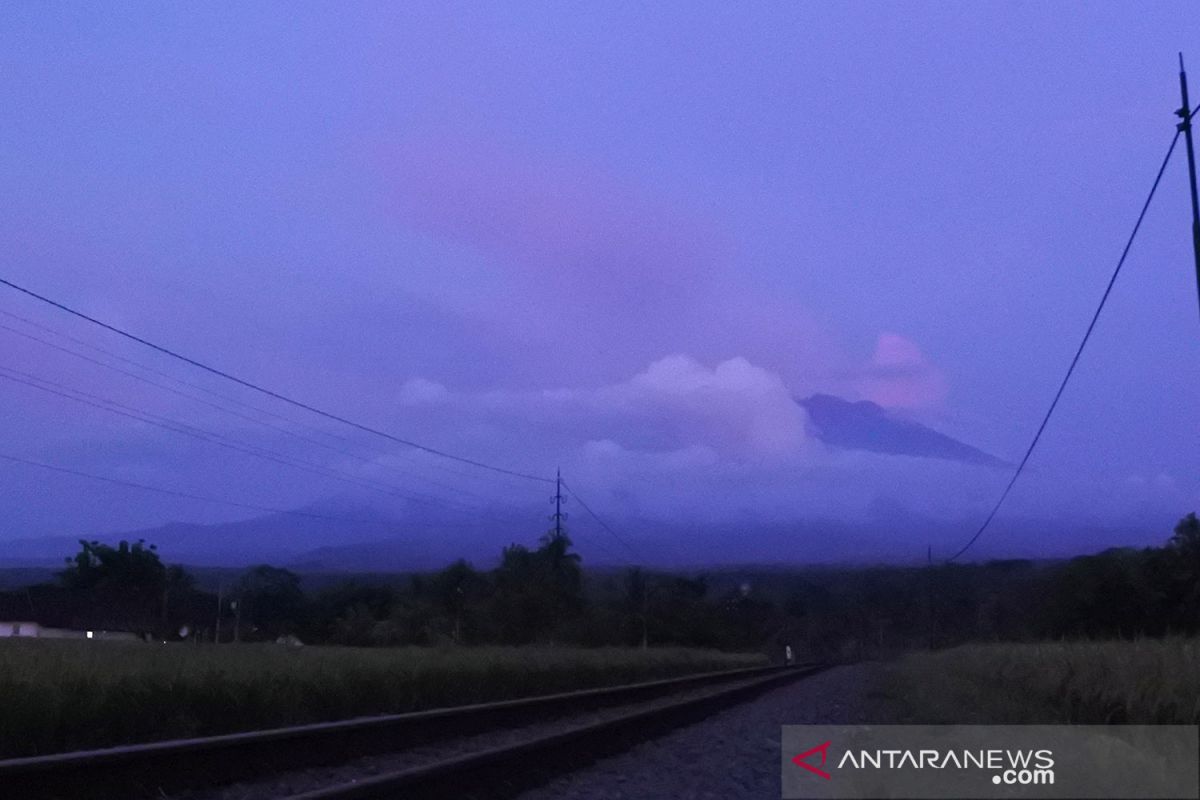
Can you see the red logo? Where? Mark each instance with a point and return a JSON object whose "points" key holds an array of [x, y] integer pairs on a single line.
{"points": [[823, 749]]}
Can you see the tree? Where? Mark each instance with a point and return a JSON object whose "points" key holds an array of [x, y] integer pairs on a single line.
{"points": [[270, 599], [128, 583], [176, 582], [679, 614], [1186, 539], [1105, 595], [637, 602], [520, 607], [134, 570], [456, 590], [564, 573], [351, 613], [537, 591], [1184, 550]]}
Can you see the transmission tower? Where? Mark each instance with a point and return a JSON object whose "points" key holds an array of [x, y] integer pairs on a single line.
{"points": [[558, 516]]}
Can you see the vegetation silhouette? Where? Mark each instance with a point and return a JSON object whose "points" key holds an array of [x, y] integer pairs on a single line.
{"points": [[543, 595]]}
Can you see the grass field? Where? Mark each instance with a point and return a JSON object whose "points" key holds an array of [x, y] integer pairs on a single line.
{"points": [[65, 695], [1144, 681]]}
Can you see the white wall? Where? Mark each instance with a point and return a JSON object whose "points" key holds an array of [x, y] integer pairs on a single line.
{"points": [[23, 629], [32, 630]]}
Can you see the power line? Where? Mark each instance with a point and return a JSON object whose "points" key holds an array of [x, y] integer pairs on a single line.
{"points": [[1079, 352], [195, 432], [189, 495], [152, 371], [559, 516], [174, 426], [601, 522], [270, 393], [448, 469], [225, 409]]}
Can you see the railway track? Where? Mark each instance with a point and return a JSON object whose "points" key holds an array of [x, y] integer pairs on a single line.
{"points": [[466, 751]]}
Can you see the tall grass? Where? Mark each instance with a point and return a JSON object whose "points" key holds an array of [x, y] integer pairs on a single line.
{"points": [[1142, 681], [65, 695]]}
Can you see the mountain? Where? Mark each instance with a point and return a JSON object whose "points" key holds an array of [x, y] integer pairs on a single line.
{"points": [[867, 426], [337, 535], [894, 534]]}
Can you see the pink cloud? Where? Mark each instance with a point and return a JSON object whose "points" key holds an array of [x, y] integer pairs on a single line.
{"points": [[899, 376], [562, 225], [590, 269]]}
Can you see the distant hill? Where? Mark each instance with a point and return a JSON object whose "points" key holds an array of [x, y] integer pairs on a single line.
{"points": [[387, 542], [269, 538], [867, 426], [216, 553]]}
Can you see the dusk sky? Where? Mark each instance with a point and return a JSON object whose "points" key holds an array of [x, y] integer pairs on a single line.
{"points": [[619, 238]]}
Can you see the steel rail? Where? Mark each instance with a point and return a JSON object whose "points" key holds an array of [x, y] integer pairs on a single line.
{"points": [[504, 772], [150, 768]]}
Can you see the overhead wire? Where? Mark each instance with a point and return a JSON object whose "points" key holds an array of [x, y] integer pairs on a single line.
{"points": [[604, 525], [450, 469], [196, 432], [270, 392], [1075, 360], [139, 365], [191, 496], [246, 417]]}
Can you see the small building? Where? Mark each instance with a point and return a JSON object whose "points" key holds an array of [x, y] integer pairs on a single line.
{"points": [[54, 614], [11, 629], [32, 630]]}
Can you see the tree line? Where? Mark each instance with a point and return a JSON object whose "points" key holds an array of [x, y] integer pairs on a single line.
{"points": [[542, 594], [534, 595]]}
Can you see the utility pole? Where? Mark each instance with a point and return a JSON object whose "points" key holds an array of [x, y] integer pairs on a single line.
{"points": [[639, 590], [929, 597], [645, 616], [217, 632], [1185, 126], [558, 498]]}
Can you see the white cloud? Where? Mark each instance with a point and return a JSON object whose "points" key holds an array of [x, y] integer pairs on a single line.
{"points": [[735, 409]]}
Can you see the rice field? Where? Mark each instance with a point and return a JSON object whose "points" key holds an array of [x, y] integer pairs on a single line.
{"points": [[67, 695], [1118, 682]]}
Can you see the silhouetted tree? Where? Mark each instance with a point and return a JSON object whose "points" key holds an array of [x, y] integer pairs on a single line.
{"points": [[351, 613], [457, 590], [271, 600], [537, 591], [127, 582], [637, 604], [177, 582], [1183, 551]]}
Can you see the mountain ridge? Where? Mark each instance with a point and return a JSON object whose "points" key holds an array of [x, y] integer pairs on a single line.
{"points": [[863, 425]]}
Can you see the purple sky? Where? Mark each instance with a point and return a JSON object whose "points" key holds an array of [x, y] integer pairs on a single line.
{"points": [[619, 239]]}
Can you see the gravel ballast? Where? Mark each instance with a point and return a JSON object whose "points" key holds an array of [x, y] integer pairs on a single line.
{"points": [[732, 754]]}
